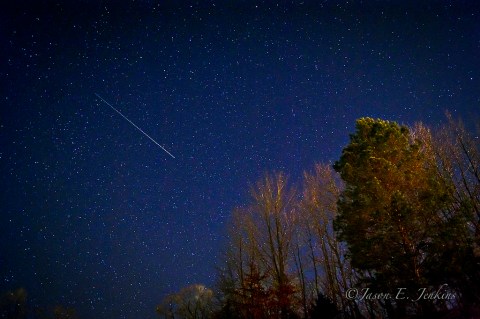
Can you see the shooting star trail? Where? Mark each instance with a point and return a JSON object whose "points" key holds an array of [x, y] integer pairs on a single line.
{"points": [[163, 148]]}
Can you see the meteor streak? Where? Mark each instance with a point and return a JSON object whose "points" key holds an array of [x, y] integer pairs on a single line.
{"points": [[101, 98]]}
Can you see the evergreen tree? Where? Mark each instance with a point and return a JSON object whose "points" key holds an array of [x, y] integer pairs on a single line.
{"points": [[390, 210]]}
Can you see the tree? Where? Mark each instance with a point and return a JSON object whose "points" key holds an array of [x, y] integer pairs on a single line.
{"points": [[405, 216], [13, 304], [324, 308], [333, 274], [272, 211], [390, 210], [455, 155], [242, 279], [61, 312], [191, 302], [258, 277]]}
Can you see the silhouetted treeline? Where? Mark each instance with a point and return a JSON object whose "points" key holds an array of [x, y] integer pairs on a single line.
{"points": [[390, 230], [14, 305]]}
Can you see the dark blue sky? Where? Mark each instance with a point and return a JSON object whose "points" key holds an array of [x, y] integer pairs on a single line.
{"points": [[96, 216]]}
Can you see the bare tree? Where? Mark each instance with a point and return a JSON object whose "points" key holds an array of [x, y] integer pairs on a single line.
{"points": [[191, 302], [332, 270], [259, 273], [455, 154]]}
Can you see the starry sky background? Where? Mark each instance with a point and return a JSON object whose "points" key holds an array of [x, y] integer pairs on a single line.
{"points": [[96, 216]]}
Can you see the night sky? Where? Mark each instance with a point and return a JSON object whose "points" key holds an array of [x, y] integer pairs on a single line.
{"points": [[96, 216]]}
